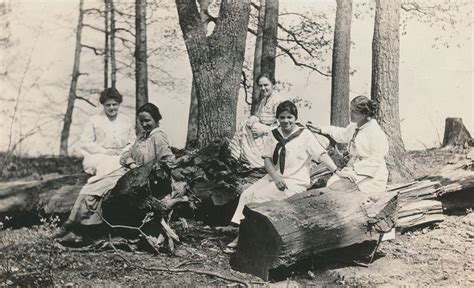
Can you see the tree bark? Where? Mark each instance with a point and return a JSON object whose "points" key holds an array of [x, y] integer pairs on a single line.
{"points": [[106, 44], [193, 118], [257, 59], [385, 85], [53, 196], [216, 63], [141, 73], [113, 63], [455, 133], [5, 41], [341, 65], [270, 34], [63, 149], [277, 234]]}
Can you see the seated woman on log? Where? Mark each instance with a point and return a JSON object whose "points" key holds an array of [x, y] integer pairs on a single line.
{"points": [[247, 143], [152, 145], [368, 146], [106, 136], [288, 153]]}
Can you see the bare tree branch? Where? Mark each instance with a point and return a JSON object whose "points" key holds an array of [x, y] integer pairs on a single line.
{"points": [[97, 51], [292, 57], [86, 100], [94, 28]]}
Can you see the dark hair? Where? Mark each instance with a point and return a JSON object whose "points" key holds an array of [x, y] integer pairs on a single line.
{"points": [[268, 76], [365, 106], [110, 93], [287, 106], [150, 109]]}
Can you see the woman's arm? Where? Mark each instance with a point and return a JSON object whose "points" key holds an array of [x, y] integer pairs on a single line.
{"points": [[89, 141], [163, 152], [279, 181], [339, 134]]}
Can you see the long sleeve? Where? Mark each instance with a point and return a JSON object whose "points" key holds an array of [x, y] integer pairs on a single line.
{"points": [[162, 148], [340, 134], [88, 140], [126, 159], [314, 148], [131, 137]]}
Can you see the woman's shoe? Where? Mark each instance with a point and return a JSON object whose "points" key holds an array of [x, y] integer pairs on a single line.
{"points": [[63, 230], [234, 243]]}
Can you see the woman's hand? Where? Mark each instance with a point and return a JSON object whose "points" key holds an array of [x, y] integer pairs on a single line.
{"points": [[259, 129], [280, 183], [347, 173], [132, 166], [312, 128]]}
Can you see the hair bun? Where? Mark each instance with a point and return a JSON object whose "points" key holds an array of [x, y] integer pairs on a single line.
{"points": [[374, 106]]}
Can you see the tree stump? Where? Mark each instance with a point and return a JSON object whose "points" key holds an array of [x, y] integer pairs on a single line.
{"points": [[277, 234], [455, 133]]}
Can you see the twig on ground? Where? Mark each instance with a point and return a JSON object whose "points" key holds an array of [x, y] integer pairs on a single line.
{"points": [[177, 270]]}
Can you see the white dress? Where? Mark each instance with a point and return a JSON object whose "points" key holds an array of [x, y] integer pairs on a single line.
{"points": [[243, 146], [367, 149], [299, 153], [102, 137]]}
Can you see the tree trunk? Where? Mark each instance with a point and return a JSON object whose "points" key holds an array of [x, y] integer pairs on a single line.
{"points": [[257, 59], [193, 118], [106, 44], [385, 86], [270, 34], [277, 234], [455, 133], [5, 41], [141, 74], [72, 88], [113, 63], [216, 63], [341, 65]]}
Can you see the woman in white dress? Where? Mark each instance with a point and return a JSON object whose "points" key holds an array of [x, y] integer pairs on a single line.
{"points": [[247, 143], [106, 136], [367, 145], [288, 152]]}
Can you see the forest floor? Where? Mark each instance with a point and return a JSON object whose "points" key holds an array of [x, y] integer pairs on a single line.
{"points": [[439, 255]]}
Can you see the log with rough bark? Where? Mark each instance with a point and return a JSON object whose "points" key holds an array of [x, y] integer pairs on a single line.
{"points": [[419, 213], [26, 200], [277, 234], [455, 133]]}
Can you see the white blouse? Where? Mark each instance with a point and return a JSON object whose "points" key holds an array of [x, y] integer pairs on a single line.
{"points": [[267, 109], [368, 147], [299, 153], [100, 134]]}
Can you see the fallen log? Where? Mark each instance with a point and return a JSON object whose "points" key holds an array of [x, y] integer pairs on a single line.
{"points": [[24, 201], [419, 213], [276, 234]]}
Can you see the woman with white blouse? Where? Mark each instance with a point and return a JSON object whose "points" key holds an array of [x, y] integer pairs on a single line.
{"points": [[247, 143], [367, 145], [106, 136]]}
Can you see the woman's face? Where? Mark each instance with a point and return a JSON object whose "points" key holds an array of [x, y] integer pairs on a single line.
{"points": [[147, 122], [111, 108], [266, 87], [357, 116], [287, 121]]}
